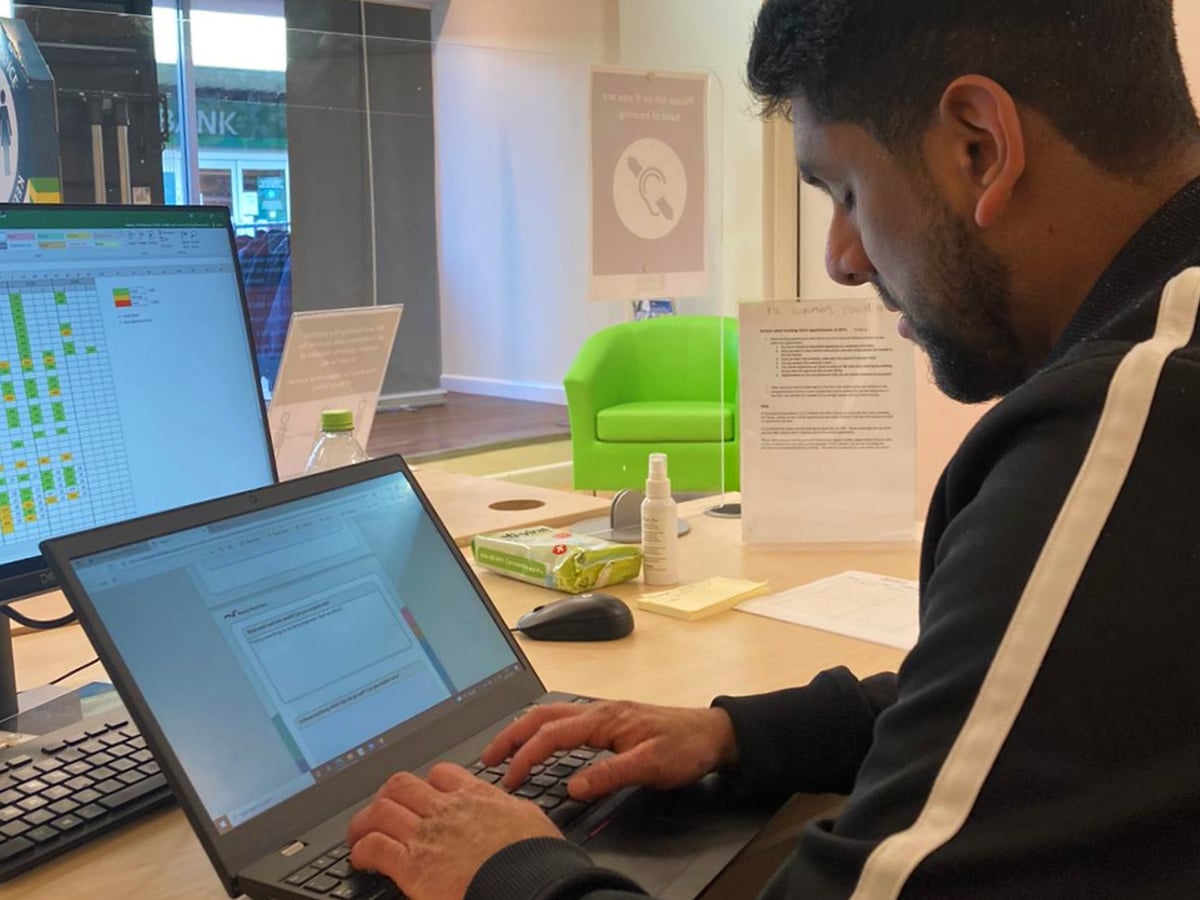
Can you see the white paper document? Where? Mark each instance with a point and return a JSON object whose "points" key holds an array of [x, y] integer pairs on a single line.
{"points": [[857, 604], [828, 430]]}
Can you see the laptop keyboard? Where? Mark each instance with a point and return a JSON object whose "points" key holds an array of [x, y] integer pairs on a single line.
{"points": [[547, 783], [332, 875], [74, 787]]}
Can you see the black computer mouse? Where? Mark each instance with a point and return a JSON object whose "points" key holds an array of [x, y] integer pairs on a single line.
{"points": [[586, 617]]}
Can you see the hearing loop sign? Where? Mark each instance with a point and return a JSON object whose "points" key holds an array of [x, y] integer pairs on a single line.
{"points": [[649, 168]]}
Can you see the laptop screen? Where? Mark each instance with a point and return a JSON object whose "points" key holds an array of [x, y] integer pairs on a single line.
{"points": [[279, 647]]}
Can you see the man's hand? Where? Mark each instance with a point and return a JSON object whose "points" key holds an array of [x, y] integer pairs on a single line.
{"points": [[431, 837], [655, 746]]}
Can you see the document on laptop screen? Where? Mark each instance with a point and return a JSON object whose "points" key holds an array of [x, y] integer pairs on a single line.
{"points": [[278, 647]]}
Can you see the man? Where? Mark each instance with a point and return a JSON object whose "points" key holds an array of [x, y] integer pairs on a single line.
{"points": [[1019, 179]]}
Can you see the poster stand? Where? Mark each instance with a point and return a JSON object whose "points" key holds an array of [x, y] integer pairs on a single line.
{"points": [[332, 359]]}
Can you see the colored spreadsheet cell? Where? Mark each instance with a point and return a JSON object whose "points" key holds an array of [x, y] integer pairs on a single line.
{"points": [[63, 462]]}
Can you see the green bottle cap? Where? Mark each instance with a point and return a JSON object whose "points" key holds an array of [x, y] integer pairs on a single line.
{"points": [[337, 420]]}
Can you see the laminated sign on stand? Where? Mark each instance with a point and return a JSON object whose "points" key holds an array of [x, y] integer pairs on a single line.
{"points": [[828, 424], [333, 359], [649, 169]]}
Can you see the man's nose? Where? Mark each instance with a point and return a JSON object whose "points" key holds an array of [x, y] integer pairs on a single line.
{"points": [[846, 259]]}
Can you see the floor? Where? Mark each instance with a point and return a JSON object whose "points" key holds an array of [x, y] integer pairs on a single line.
{"points": [[467, 423]]}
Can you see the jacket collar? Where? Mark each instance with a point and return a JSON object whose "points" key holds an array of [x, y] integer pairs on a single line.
{"points": [[1162, 248]]}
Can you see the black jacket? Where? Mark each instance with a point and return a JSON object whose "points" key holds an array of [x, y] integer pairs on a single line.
{"points": [[1095, 791]]}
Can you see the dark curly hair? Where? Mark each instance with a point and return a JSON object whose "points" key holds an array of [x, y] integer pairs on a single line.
{"points": [[1106, 73]]}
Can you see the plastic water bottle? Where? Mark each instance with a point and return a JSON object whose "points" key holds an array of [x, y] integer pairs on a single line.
{"points": [[336, 447]]}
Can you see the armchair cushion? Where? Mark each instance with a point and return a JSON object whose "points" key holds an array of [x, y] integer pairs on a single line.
{"points": [[649, 421]]}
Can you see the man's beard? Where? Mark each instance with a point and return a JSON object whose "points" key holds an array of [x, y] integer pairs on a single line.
{"points": [[971, 342]]}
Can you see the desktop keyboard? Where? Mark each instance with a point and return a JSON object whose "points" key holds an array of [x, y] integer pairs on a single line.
{"points": [[72, 785], [331, 875]]}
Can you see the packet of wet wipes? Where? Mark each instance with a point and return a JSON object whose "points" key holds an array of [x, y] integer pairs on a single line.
{"points": [[557, 558]]}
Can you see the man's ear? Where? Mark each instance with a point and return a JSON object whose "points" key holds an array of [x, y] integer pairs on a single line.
{"points": [[991, 142]]}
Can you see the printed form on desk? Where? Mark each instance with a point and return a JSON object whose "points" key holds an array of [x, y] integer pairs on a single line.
{"points": [[857, 604]]}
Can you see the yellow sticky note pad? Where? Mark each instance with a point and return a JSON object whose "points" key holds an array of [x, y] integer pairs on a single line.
{"points": [[701, 599]]}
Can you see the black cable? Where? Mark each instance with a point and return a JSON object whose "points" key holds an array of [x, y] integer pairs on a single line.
{"points": [[75, 671], [37, 624]]}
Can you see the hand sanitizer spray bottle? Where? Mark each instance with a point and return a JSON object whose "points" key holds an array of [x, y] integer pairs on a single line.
{"points": [[660, 527]]}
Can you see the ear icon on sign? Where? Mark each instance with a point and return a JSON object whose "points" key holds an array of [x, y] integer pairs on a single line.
{"points": [[651, 182]]}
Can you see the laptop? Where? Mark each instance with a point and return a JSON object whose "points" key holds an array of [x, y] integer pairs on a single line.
{"points": [[285, 650]]}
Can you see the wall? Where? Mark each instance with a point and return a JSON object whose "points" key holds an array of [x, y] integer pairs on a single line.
{"points": [[511, 100], [510, 97], [1187, 19]]}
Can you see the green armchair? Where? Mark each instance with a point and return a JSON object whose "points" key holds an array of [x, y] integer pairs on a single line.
{"points": [[665, 385]]}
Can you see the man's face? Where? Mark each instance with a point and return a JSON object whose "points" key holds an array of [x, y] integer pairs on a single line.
{"points": [[892, 229]]}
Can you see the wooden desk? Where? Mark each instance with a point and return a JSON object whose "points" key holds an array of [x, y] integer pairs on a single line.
{"points": [[663, 661], [470, 505]]}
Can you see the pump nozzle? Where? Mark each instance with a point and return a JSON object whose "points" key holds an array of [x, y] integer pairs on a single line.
{"points": [[658, 485]]}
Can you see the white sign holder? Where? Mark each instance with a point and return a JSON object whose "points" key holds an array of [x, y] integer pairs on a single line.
{"points": [[649, 178], [828, 433], [332, 359]]}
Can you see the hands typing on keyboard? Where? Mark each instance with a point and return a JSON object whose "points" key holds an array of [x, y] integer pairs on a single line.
{"points": [[538, 776]]}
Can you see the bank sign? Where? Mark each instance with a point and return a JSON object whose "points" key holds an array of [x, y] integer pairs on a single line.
{"points": [[236, 124]]}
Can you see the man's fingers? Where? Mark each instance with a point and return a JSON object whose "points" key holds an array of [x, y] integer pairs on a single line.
{"points": [[376, 852], [637, 766], [448, 777], [385, 816], [515, 735], [412, 792], [560, 734]]}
